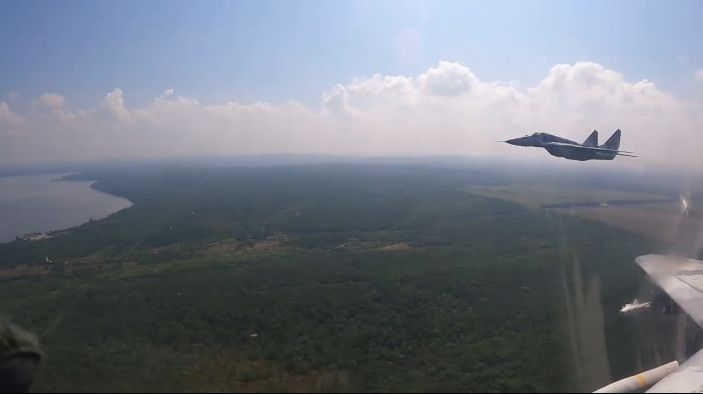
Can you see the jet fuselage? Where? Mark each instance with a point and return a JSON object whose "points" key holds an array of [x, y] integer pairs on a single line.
{"points": [[562, 147]]}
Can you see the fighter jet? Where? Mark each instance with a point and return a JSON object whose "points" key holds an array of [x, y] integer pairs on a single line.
{"points": [[635, 307], [561, 147]]}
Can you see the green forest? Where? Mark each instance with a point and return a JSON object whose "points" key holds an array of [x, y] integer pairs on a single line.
{"points": [[326, 278]]}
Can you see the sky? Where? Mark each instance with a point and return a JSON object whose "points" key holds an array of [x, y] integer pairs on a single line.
{"points": [[91, 80]]}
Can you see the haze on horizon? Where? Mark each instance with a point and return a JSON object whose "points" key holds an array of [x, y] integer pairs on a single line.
{"points": [[86, 81]]}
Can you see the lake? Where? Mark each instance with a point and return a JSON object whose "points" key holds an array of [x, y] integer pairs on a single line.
{"points": [[38, 203]]}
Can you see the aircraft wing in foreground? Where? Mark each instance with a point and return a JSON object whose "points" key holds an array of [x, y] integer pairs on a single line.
{"points": [[682, 279]]}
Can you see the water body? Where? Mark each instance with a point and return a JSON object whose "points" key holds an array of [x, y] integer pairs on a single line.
{"points": [[39, 203]]}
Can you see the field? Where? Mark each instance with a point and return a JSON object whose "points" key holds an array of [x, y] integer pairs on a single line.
{"points": [[328, 278], [653, 223], [535, 195], [661, 222]]}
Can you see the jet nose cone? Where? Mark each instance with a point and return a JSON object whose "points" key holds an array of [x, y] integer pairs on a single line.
{"points": [[514, 141]]}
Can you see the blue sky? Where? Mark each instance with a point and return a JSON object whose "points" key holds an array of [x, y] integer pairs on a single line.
{"points": [[281, 50]]}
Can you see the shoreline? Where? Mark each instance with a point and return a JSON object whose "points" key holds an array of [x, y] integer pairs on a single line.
{"points": [[22, 211]]}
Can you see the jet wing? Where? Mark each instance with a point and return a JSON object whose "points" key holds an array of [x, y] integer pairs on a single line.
{"points": [[590, 149], [682, 280], [688, 378]]}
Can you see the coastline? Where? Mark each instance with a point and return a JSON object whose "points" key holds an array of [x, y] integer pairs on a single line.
{"points": [[47, 211]]}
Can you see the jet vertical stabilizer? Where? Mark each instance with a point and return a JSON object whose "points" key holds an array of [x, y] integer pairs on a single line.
{"points": [[613, 142], [592, 139]]}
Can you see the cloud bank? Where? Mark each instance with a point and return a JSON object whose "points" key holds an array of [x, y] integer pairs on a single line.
{"points": [[445, 110]]}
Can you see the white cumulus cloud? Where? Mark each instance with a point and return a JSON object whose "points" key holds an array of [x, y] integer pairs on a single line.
{"points": [[50, 101], [445, 110], [6, 114], [4, 111], [448, 79], [53, 105], [113, 105]]}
